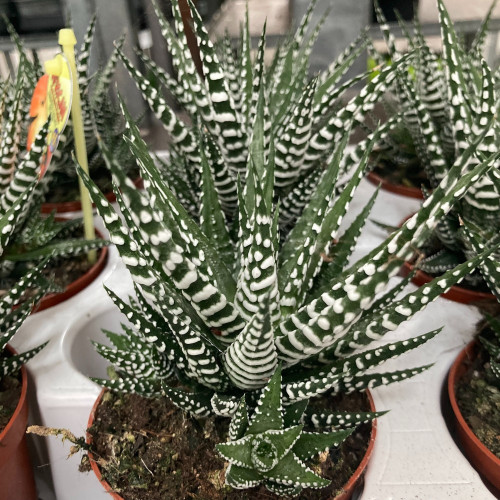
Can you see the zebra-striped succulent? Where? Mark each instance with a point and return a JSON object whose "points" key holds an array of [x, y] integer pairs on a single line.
{"points": [[220, 303], [306, 116], [100, 118], [446, 105], [14, 308], [30, 237], [11, 318]]}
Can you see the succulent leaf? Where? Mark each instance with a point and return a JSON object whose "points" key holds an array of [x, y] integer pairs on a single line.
{"points": [[251, 359]]}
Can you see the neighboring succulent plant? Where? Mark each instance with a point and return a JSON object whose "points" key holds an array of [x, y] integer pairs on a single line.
{"points": [[14, 308], [306, 116], [447, 104], [220, 304], [100, 118], [11, 318], [31, 237]]}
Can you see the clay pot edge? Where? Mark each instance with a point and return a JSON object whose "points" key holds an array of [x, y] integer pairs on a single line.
{"points": [[456, 372], [409, 192], [345, 493], [22, 400], [53, 299]]}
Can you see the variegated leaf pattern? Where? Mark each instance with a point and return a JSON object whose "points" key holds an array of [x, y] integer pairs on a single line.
{"points": [[11, 132], [84, 56], [251, 359], [448, 104], [320, 323], [226, 105], [351, 115], [247, 298], [232, 134]]}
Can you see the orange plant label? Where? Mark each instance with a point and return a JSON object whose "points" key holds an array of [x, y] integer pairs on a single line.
{"points": [[51, 100]]}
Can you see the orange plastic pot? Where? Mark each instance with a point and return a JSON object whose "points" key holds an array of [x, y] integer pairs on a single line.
{"points": [[455, 293], [76, 206], [357, 478], [483, 460], [346, 492], [52, 299], [17, 481], [409, 192]]}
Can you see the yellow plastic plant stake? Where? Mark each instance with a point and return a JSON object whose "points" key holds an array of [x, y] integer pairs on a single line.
{"points": [[67, 41]]}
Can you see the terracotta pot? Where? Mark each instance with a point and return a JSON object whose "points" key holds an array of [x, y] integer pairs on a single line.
{"points": [[483, 460], [347, 490], [455, 293], [16, 473], [76, 206], [410, 192], [93, 461], [358, 476], [52, 299]]}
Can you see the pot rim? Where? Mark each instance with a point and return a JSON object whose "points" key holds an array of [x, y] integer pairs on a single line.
{"points": [[468, 352], [456, 293], [348, 488], [20, 408], [409, 192], [76, 205], [76, 286], [344, 493]]}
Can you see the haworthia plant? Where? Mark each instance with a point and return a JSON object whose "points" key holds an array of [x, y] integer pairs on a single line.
{"points": [[101, 118], [447, 104], [233, 318], [14, 308], [29, 237], [305, 117], [12, 316]]}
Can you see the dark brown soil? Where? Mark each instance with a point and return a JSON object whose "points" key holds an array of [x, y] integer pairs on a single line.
{"points": [[10, 392], [66, 189], [479, 401], [148, 449], [62, 272], [402, 175]]}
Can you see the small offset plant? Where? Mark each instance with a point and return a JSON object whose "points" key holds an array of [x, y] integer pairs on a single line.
{"points": [[31, 236], [446, 103], [231, 319], [306, 116]]}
